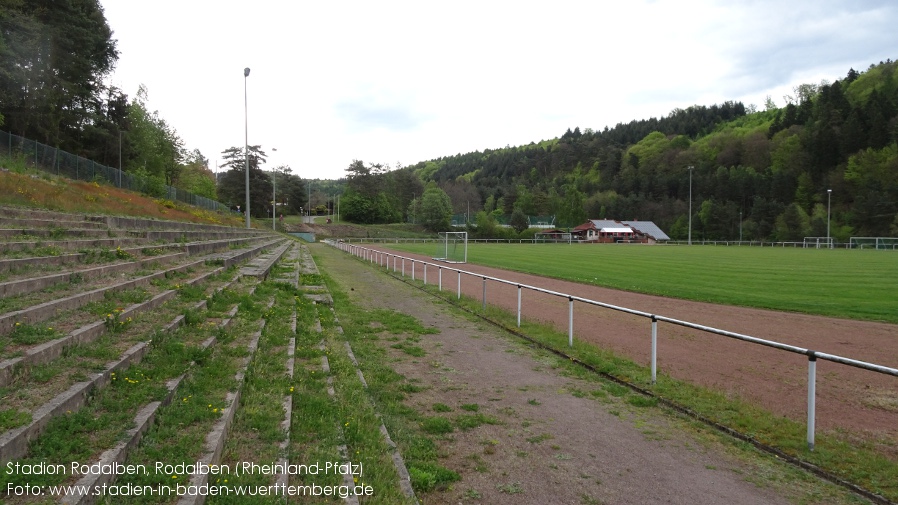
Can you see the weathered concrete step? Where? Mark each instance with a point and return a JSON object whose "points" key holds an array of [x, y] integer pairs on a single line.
{"points": [[46, 310], [192, 248], [143, 223], [44, 214], [216, 438], [142, 422], [25, 286], [260, 267], [72, 245], [114, 222], [195, 235], [25, 222], [239, 258], [48, 351], [14, 443], [55, 233]]}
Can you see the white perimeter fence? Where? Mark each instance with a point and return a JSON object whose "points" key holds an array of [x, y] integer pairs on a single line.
{"points": [[725, 243], [397, 263]]}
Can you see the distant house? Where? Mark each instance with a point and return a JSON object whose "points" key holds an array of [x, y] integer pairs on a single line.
{"points": [[608, 231]]}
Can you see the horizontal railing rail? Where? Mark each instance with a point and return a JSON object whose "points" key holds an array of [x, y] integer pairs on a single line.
{"points": [[384, 258], [726, 243]]}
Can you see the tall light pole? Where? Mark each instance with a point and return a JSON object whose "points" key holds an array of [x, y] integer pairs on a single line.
{"points": [[246, 143], [829, 197], [690, 204], [274, 204]]}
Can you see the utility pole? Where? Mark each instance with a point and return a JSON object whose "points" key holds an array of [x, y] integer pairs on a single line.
{"points": [[690, 205]]}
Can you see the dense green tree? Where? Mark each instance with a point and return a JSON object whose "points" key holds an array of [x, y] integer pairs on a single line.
{"points": [[519, 221], [357, 208], [153, 144], [793, 224], [290, 190], [232, 184], [436, 209], [53, 59], [196, 177]]}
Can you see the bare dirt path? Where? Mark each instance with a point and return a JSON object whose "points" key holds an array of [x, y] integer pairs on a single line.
{"points": [[558, 439], [862, 402]]}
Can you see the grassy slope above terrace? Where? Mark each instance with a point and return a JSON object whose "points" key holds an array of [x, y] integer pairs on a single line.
{"points": [[44, 191], [854, 284]]}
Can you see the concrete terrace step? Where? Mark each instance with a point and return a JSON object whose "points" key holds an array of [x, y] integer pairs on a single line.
{"points": [[30, 285], [261, 266], [23, 222], [112, 222], [48, 309], [14, 443], [56, 233], [191, 248], [47, 351], [71, 245]]}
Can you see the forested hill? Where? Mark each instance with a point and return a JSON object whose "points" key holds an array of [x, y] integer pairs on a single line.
{"points": [[768, 170]]}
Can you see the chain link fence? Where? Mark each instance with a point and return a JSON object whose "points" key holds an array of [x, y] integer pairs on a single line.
{"points": [[54, 161]]}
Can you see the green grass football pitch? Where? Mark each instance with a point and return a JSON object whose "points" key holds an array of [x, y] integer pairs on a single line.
{"points": [[856, 284]]}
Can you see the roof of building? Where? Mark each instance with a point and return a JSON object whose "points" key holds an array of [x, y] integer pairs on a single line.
{"points": [[648, 228]]}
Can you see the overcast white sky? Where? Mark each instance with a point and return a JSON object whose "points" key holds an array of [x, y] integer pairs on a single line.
{"points": [[406, 81]]}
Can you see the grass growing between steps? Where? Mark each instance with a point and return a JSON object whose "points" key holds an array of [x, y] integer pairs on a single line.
{"points": [[360, 424], [387, 389], [35, 384], [179, 433], [314, 434], [256, 433]]}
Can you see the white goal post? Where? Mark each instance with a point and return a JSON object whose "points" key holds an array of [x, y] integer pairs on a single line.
{"points": [[452, 247], [886, 243]]}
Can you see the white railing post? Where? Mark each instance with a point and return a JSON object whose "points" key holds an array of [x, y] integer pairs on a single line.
{"points": [[425, 274], [812, 393], [570, 322], [654, 349], [413, 269], [440, 279], [483, 305], [403, 266], [459, 284], [519, 305]]}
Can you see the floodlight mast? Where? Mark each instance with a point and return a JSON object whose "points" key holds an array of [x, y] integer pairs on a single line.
{"points": [[246, 143], [690, 205], [274, 205]]}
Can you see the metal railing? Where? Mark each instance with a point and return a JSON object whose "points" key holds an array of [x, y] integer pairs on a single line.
{"points": [[383, 258], [54, 161], [725, 243]]}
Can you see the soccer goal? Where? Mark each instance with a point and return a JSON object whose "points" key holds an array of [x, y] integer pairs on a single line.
{"points": [[452, 247], [887, 243]]}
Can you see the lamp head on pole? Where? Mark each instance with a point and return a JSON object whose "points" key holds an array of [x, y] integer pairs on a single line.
{"points": [[246, 72]]}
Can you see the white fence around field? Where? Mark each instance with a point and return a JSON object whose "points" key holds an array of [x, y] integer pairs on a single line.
{"points": [[397, 263], [724, 243]]}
